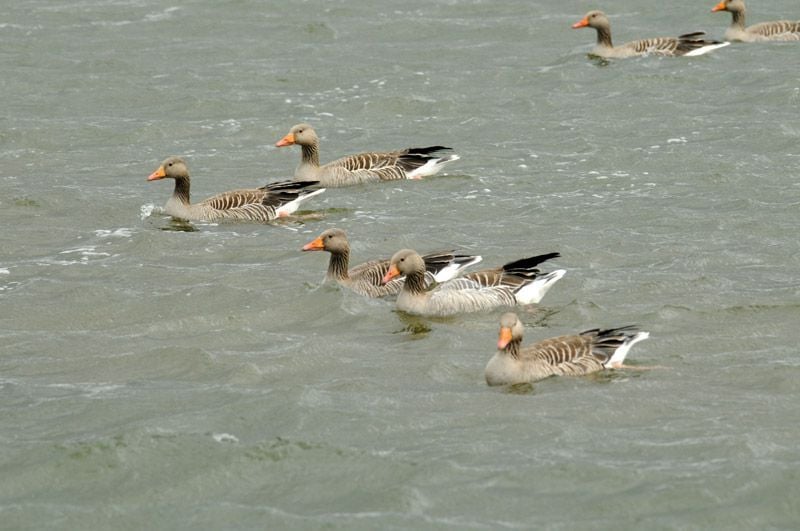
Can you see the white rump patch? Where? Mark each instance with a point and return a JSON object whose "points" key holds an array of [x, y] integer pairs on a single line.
{"points": [[706, 49]]}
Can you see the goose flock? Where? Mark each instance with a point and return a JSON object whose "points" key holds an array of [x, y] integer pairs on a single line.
{"points": [[688, 44], [437, 284]]}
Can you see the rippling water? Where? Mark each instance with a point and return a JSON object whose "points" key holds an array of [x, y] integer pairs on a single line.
{"points": [[155, 375]]}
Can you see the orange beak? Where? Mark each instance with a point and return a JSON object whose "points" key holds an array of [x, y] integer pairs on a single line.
{"points": [[582, 23], [314, 245], [288, 140], [504, 339], [158, 174], [392, 273], [719, 7]]}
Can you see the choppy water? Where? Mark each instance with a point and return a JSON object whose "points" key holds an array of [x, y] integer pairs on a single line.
{"points": [[172, 379]]}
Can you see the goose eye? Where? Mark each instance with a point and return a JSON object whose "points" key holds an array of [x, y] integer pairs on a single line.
{"points": [[170, 164]]}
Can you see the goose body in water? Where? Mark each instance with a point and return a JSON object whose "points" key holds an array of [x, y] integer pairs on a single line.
{"points": [[263, 204], [777, 30], [411, 163], [572, 355], [518, 282], [365, 279], [689, 44]]}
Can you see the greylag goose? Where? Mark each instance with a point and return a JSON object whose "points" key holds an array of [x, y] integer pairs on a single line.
{"points": [[690, 44], [518, 282], [365, 279], [263, 204], [411, 163], [573, 355], [778, 30]]}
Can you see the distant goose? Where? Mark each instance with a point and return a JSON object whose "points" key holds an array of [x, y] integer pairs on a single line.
{"points": [[411, 163], [690, 44], [365, 279], [264, 204], [779, 30], [574, 355], [518, 282]]}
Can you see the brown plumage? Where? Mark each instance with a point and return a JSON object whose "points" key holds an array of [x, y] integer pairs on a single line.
{"points": [[463, 294], [411, 163], [778, 30], [365, 279], [512, 274], [689, 44], [257, 204], [572, 355]]}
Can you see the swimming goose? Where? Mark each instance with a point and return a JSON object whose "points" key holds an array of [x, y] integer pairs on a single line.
{"points": [[690, 44], [778, 30], [506, 286], [365, 279], [411, 163], [574, 355], [263, 204]]}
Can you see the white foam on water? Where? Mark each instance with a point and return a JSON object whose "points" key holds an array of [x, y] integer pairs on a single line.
{"points": [[90, 390], [163, 15], [145, 211], [225, 438], [86, 252], [122, 232]]}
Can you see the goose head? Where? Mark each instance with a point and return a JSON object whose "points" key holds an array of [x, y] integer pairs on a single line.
{"points": [[593, 19], [332, 240], [300, 134], [404, 262], [733, 6], [171, 168], [510, 330]]}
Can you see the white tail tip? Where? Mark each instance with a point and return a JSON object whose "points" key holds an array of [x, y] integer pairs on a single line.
{"points": [[706, 49], [536, 290], [451, 271], [292, 206], [432, 167], [619, 355]]}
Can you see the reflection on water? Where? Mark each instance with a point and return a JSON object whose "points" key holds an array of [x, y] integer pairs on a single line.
{"points": [[519, 389], [415, 326]]}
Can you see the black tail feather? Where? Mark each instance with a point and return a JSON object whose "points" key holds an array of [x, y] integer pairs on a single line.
{"points": [[288, 186], [693, 35], [430, 150], [526, 264]]}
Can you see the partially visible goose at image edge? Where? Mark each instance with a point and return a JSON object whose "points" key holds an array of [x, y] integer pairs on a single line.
{"points": [[689, 44], [365, 279], [571, 355], [516, 283], [411, 163], [267, 203], [778, 30]]}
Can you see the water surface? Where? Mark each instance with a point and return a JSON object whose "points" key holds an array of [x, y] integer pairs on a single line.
{"points": [[157, 377]]}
